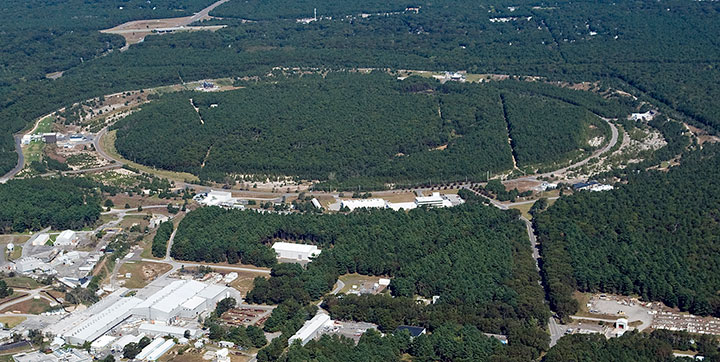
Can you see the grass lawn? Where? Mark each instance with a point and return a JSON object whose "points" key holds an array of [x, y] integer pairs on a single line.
{"points": [[11, 321], [45, 125], [142, 273], [33, 152], [21, 282], [16, 253], [108, 144], [525, 208]]}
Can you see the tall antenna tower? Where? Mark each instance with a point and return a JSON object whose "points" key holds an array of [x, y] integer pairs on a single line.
{"points": [[315, 14]]}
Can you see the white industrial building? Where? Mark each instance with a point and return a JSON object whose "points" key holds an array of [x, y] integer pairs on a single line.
{"points": [[101, 320], [218, 198], [40, 239], [353, 204], [101, 343], [181, 298], [31, 264], [295, 251], [152, 329], [311, 329], [157, 352], [436, 200], [149, 348], [125, 340], [66, 238]]}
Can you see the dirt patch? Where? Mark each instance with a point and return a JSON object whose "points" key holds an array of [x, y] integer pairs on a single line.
{"points": [[440, 148], [32, 306], [135, 31], [521, 185], [141, 273], [701, 135], [244, 281]]}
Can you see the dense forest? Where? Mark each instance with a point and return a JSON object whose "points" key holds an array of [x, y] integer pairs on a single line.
{"points": [[160, 240], [655, 236], [475, 257], [349, 128], [60, 203], [534, 123], [657, 345], [613, 44], [447, 343]]}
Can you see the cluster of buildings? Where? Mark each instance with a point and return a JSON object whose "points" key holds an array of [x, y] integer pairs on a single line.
{"points": [[435, 200], [51, 137], [171, 311], [219, 198], [451, 77], [591, 186], [645, 117]]}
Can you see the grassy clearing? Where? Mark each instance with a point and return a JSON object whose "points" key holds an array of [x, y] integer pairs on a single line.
{"points": [[33, 152], [108, 144], [142, 273], [11, 321], [21, 282], [45, 125], [356, 279], [16, 253], [525, 208], [244, 282]]}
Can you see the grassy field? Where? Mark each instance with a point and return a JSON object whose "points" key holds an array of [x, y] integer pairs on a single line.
{"points": [[142, 273], [244, 281], [525, 208], [45, 125], [108, 144], [11, 321], [33, 152], [21, 282], [16, 253]]}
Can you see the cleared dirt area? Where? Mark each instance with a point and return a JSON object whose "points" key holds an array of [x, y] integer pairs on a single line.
{"points": [[244, 281], [135, 31], [141, 274], [701, 135], [32, 306], [360, 283]]}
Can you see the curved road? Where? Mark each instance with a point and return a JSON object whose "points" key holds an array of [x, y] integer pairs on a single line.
{"points": [[20, 163]]}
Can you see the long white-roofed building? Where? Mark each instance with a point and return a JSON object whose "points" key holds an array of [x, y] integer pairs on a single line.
{"points": [[295, 251], [182, 298], [311, 329], [104, 320]]}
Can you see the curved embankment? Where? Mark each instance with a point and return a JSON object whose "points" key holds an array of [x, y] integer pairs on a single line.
{"points": [[119, 162]]}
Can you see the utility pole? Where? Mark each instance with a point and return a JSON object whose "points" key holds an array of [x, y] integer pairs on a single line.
{"points": [[315, 12]]}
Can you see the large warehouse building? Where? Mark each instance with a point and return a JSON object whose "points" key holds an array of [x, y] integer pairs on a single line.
{"points": [[181, 298], [101, 320], [295, 251]]}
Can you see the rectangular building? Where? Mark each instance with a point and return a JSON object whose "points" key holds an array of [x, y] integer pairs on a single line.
{"points": [[105, 319], [311, 329], [295, 251]]}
